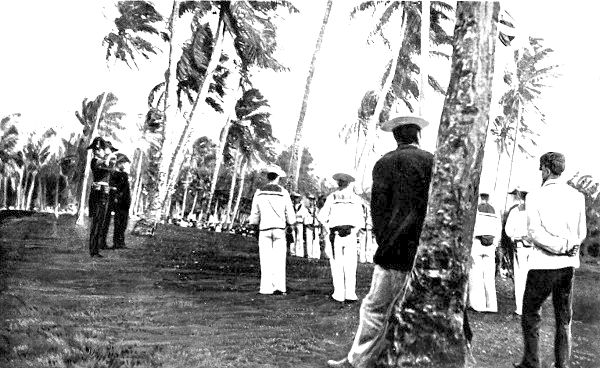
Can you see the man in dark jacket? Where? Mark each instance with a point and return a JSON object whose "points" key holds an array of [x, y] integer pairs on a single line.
{"points": [[102, 166], [120, 200], [398, 204]]}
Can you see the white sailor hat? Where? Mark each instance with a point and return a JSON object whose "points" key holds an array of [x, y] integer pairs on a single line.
{"points": [[392, 124], [343, 176], [275, 170]]}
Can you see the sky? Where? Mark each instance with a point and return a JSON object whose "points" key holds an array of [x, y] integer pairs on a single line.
{"points": [[53, 57]]}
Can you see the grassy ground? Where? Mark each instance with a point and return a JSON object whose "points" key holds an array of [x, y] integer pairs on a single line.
{"points": [[188, 298]]}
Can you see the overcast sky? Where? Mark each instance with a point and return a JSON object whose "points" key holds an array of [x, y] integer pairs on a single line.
{"points": [[52, 57]]}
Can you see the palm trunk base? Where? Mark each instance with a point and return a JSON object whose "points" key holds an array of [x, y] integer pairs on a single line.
{"points": [[144, 227]]}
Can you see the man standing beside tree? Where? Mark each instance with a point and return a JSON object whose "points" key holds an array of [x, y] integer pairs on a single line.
{"points": [[556, 225], [398, 205]]}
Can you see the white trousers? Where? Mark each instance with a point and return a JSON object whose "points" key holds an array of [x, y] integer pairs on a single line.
{"points": [[272, 251], [482, 283], [313, 244], [521, 268], [343, 267], [385, 286], [299, 240]]}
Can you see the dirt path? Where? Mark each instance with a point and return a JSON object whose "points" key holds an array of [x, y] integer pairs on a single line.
{"points": [[189, 298]]}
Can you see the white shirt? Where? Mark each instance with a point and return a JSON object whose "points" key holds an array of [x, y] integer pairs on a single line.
{"points": [[272, 209], [342, 207], [486, 224], [555, 222], [516, 224], [301, 213]]}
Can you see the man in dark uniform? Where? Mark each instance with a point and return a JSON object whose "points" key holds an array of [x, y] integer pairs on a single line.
{"points": [[101, 168], [398, 205], [120, 200]]}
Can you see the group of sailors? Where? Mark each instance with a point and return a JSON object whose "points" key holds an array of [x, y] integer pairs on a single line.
{"points": [[338, 230]]}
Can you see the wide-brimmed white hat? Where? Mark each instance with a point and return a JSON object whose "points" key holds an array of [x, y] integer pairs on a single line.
{"points": [[343, 176], [276, 170], [392, 124]]}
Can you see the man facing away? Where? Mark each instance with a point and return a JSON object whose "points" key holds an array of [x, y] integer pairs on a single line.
{"points": [[516, 230], [341, 216], [301, 215], [272, 211], [400, 191], [556, 227], [313, 229], [120, 200]]}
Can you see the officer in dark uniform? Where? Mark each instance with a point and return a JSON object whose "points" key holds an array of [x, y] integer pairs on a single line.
{"points": [[102, 165], [120, 200]]}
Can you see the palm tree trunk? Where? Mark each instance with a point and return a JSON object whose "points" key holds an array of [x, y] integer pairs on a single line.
{"points": [[238, 159], [497, 171], [184, 139], [56, 195], [30, 193], [240, 190], [136, 184], [296, 154], [194, 203], [373, 123], [514, 151], [86, 171], [425, 19], [21, 189], [220, 152], [425, 327], [5, 191], [184, 202], [158, 192], [41, 193]]}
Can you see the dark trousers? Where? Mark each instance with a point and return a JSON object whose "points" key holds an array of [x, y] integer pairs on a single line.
{"points": [[120, 225], [540, 284], [100, 218]]}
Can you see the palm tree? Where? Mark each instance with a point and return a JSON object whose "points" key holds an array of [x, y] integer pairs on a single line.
{"points": [[398, 83], [252, 33], [527, 84], [91, 115], [36, 154], [252, 139], [425, 327], [295, 158], [9, 136]]}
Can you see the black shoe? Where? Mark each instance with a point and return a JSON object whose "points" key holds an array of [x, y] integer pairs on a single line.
{"points": [[279, 292], [350, 301], [344, 363]]}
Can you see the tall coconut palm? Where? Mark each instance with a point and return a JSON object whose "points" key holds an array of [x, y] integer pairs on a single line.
{"points": [[9, 136], [295, 158], [426, 321], [399, 80], [36, 154], [531, 76], [95, 117]]}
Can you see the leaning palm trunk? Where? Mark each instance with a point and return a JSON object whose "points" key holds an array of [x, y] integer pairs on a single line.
{"points": [[20, 191], [238, 158], [5, 192], [373, 122], [240, 191], [56, 195], [425, 327], [220, 152], [158, 191], [88, 160], [296, 154], [184, 140], [30, 193], [514, 150], [425, 20]]}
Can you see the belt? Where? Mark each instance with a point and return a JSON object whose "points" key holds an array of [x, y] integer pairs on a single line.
{"points": [[272, 228]]}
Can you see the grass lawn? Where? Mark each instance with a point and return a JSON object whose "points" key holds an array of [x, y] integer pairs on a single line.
{"points": [[189, 298]]}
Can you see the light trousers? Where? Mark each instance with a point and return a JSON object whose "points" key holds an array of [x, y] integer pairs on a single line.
{"points": [[272, 252], [313, 244], [385, 286], [520, 270], [482, 282], [299, 240], [343, 267]]}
